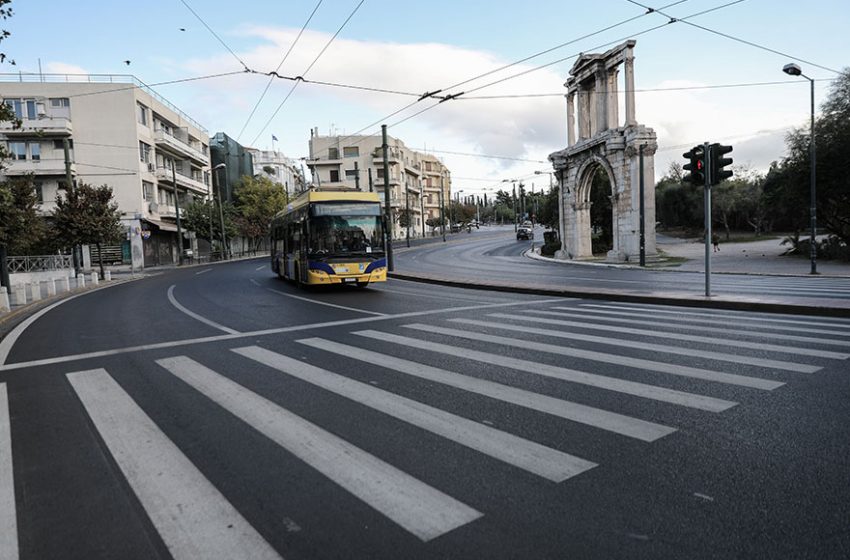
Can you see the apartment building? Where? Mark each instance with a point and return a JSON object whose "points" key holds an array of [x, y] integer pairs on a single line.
{"points": [[416, 180], [121, 133], [278, 168], [237, 160]]}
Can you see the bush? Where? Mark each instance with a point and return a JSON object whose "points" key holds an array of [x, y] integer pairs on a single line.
{"points": [[551, 243]]}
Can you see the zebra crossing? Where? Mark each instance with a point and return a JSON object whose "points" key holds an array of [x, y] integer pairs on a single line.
{"points": [[779, 286], [592, 345]]}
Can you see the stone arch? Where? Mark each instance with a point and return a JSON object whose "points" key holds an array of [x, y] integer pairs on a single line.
{"points": [[596, 138]]}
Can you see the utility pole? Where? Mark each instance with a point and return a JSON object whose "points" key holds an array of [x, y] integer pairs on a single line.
{"points": [[642, 212], [371, 189], [224, 251], [356, 176], [422, 208], [442, 209], [66, 146], [707, 166], [387, 208], [177, 213], [407, 210], [515, 209]]}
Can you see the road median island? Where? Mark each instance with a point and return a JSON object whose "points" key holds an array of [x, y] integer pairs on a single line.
{"points": [[799, 306]]}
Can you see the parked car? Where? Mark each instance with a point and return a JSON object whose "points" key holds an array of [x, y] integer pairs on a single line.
{"points": [[524, 232]]}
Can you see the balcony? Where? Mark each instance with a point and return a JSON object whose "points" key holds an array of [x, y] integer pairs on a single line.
{"points": [[393, 156], [44, 126], [43, 167], [180, 145], [164, 174]]}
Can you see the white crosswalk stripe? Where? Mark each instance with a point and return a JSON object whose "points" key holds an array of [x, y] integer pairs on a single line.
{"points": [[193, 518], [706, 319], [597, 314], [633, 388], [737, 317], [8, 514], [586, 323], [530, 456], [644, 346], [410, 503], [588, 415], [636, 363]]}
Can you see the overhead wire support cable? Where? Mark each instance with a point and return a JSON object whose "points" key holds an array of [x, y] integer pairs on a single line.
{"points": [[274, 73], [304, 73], [220, 40], [733, 38]]}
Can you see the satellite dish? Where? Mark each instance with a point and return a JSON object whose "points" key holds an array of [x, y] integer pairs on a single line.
{"points": [[154, 207]]}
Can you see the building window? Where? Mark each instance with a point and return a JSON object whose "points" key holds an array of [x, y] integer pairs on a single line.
{"points": [[60, 102], [334, 175], [35, 151], [350, 174], [207, 178], [143, 114], [18, 150], [39, 192], [144, 152], [147, 190], [333, 153], [380, 173], [351, 151], [23, 108]]}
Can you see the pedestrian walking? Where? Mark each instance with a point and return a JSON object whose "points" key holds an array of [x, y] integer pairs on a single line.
{"points": [[715, 240]]}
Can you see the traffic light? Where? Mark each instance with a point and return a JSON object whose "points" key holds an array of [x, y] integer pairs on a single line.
{"points": [[696, 165], [718, 162]]}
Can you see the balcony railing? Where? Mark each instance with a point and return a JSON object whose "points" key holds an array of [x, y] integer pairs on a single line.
{"points": [[43, 126], [180, 145], [37, 167], [164, 174]]}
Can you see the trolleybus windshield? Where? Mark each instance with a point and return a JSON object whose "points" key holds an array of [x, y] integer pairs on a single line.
{"points": [[343, 229]]}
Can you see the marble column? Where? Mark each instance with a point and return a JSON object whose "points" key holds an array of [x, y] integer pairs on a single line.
{"points": [[571, 119]]}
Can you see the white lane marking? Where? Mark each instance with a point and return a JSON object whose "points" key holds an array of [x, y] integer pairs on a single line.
{"points": [[8, 515], [524, 454], [626, 361], [638, 345], [582, 414], [195, 316], [591, 314], [194, 519], [261, 267], [293, 296], [762, 322], [424, 511], [264, 332], [735, 343], [770, 319], [9, 340], [203, 271], [626, 387]]}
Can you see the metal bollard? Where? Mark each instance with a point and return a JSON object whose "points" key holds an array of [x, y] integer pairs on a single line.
{"points": [[35, 290], [94, 279], [81, 280], [51, 287], [107, 275]]}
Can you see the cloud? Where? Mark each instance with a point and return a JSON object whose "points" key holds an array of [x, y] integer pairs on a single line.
{"points": [[56, 67]]}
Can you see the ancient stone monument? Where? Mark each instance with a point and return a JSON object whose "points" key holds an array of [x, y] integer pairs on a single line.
{"points": [[596, 139]]}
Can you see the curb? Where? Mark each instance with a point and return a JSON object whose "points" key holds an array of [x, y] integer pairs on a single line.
{"points": [[674, 299]]}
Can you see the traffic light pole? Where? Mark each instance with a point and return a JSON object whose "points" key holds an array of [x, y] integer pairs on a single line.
{"points": [[707, 167]]}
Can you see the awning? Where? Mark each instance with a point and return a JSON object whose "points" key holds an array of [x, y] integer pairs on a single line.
{"points": [[163, 226]]}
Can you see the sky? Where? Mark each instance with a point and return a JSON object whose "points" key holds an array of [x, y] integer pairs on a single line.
{"points": [[418, 47]]}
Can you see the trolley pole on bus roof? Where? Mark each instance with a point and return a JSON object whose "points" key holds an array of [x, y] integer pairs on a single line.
{"points": [[387, 209]]}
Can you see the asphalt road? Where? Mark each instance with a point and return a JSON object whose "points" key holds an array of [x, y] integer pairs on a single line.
{"points": [[219, 412], [494, 254]]}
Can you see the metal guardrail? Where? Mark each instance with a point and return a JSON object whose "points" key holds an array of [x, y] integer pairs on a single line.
{"points": [[38, 263]]}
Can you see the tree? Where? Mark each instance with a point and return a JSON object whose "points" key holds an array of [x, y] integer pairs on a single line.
{"points": [[200, 215], [6, 115], [20, 226], [88, 215], [405, 218], [258, 199]]}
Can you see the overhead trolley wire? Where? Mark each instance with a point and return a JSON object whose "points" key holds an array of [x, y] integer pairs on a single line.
{"points": [[733, 38], [242, 62], [272, 74], [295, 84]]}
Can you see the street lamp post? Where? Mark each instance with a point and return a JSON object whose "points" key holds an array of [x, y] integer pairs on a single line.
{"points": [[794, 70], [221, 213]]}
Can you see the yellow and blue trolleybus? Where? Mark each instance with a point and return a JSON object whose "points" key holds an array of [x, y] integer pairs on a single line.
{"points": [[330, 237]]}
